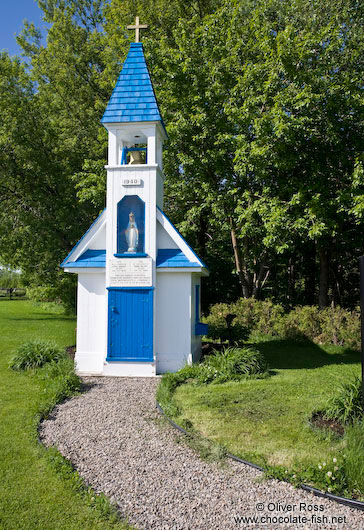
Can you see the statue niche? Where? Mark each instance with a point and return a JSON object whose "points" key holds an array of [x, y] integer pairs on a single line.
{"points": [[132, 234], [130, 226]]}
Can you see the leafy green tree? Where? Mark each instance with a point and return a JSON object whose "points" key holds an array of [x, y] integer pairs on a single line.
{"points": [[48, 132], [263, 106], [9, 279], [298, 103]]}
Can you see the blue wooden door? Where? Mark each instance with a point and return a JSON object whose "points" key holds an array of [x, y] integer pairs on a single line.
{"points": [[130, 326]]}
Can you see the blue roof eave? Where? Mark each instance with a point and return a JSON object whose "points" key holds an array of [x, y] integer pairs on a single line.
{"points": [[83, 265], [193, 265], [174, 258], [91, 258]]}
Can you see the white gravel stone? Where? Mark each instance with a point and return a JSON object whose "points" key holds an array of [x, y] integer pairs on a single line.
{"points": [[111, 435]]}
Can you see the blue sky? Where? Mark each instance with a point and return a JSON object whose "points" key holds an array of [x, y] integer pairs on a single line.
{"points": [[12, 15]]}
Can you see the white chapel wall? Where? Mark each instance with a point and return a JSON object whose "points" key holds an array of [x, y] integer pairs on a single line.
{"points": [[91, 322], [164, 240], [195, 339], [173, 320], [99, 241], [160, 190]]}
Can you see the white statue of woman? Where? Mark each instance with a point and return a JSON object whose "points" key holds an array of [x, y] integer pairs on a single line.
{"points": [[132, 234]]}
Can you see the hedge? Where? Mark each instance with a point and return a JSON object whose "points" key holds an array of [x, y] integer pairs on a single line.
{"points": [[333, 325]]}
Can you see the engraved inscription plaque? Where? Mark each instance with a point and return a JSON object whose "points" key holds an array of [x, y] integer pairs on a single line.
{"points": [[130, 272]]}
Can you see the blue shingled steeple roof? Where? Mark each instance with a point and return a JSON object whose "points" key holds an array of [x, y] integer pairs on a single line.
{"points": [[133, 98]]}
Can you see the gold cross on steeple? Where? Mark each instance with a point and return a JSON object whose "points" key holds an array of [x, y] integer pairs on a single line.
{"points": [[137, 27]]}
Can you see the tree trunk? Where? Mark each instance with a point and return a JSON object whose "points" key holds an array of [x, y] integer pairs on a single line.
{"points": [[259, 280], [243, 282], [309, 258], [323, 299], [201, 237], [337, 294], [291, 279], [251, 283]]}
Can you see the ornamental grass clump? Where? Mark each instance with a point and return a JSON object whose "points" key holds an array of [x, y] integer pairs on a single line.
{"points": [[36, 353], [61, 381], [233, 364], [354, 457], [346, 406]]}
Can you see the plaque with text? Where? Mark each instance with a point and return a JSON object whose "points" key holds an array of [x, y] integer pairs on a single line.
{"points": [[131, 272]]}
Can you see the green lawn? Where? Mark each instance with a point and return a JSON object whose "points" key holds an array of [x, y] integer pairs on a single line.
{"points": [[33, 494], [266, 421]]}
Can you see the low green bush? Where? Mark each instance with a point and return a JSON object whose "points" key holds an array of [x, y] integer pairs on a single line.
{"points": [[333, 325], [260, 316], [61, 292], [231, 364], [301, 323], [42, 293], [346, 406], [36, 353], [340, 327], [224, 326]]}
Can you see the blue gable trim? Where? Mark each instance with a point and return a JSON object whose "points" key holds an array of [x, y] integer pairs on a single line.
{"points": [[133, 98], [90, 258], [80, 240], [166, 258], [174, 257], [200, 262]]}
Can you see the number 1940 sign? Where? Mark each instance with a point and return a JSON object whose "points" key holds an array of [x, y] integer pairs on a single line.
{"points": [[130, 272], [131, 182]]}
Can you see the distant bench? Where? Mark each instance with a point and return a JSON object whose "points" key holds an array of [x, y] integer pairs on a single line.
{"points": [[11, 291]]}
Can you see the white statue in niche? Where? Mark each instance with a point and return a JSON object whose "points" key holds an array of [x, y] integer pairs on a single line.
{"points": [[132, 234]]}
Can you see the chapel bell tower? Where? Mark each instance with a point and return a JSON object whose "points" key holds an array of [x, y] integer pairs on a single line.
{"points": [[135, 184], [139, 281]]}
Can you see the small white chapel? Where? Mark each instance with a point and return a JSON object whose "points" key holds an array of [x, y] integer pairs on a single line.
{"points": [[139, 282]]}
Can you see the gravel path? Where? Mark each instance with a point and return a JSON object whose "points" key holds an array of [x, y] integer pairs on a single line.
{"points": [[114, 437]]}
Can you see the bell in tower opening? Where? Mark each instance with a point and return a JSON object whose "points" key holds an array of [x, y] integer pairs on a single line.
{"points": [[137, 157], [133, 155], [132, 234]]}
